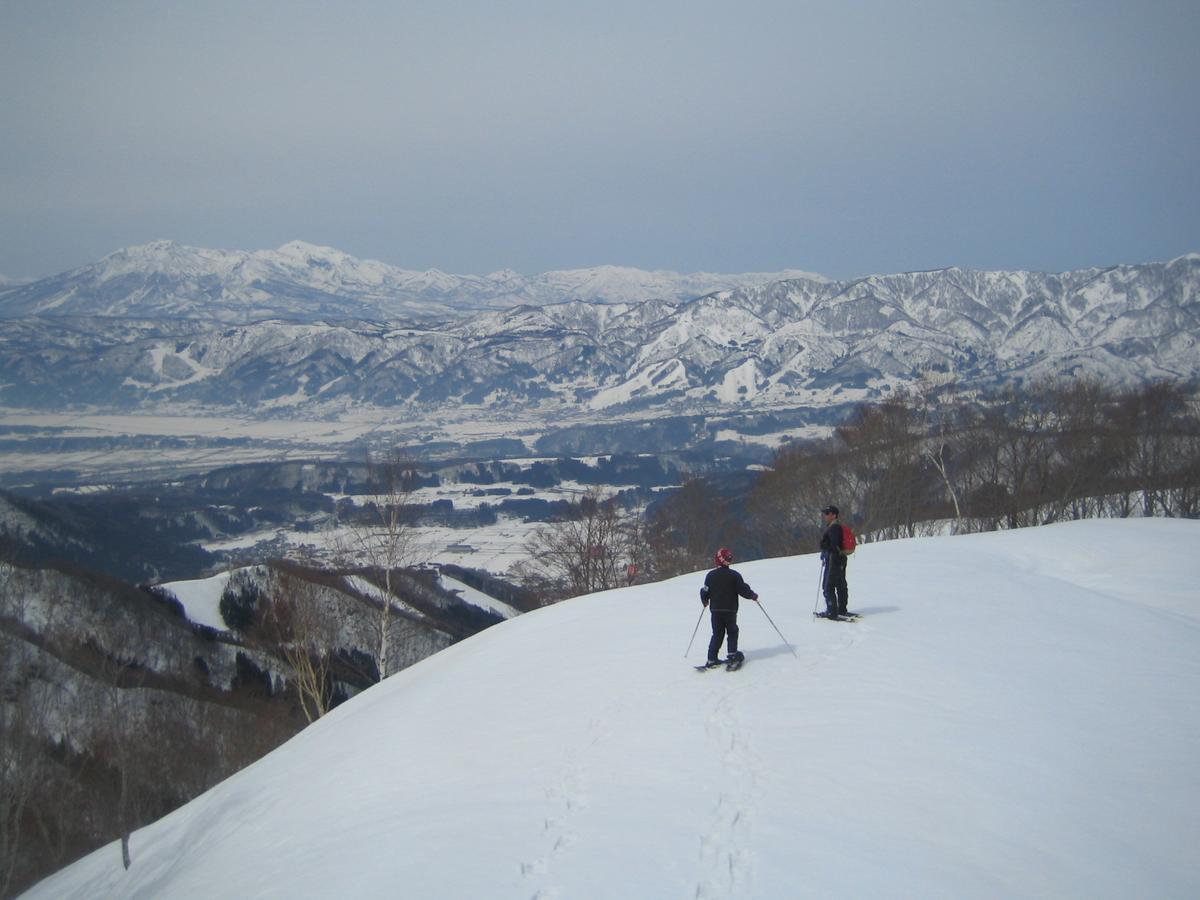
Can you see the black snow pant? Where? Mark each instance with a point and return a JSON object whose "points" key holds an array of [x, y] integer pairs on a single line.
{"points": [[724, 622], [837, 593]]}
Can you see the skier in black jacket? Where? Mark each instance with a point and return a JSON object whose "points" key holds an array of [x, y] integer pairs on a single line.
{"points": [[722, 587], [833, 582]]}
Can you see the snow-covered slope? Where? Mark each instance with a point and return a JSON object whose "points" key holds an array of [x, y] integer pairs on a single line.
{"points": [[1015, 716], [787, 344], [201, 599]]}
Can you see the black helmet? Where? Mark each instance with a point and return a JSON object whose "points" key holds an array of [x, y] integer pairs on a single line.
{"points": [[830, 510]]}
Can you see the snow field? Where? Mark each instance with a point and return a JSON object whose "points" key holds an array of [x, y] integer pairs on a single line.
{"points": [[201, 599], [1014, 716]]}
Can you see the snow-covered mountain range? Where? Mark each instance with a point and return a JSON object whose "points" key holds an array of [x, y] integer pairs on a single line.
{"points": [[305, 282], [791, 342], [1017, 721]]}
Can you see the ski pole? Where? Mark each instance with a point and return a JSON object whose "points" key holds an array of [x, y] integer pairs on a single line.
{"points": [[820, 584], [694, 630], [776, 627]]}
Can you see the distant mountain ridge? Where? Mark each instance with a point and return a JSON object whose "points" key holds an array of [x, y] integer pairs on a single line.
{"points": [[792, 342], [305, 282]]}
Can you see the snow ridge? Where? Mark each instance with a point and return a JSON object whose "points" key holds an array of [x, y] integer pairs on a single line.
{"points": [[308, 282]]}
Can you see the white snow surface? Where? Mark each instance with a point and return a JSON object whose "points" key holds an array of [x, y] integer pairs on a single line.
{"points": [[201, 599], [478, 598], [1014, 716]]}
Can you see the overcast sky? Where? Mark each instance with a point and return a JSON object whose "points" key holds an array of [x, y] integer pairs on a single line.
{"points": [[845, 138]]}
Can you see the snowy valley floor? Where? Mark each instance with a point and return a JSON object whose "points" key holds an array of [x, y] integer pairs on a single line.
{"points": [[1014, 716]]}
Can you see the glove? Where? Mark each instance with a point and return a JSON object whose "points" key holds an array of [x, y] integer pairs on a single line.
{"points": [[824, 556]]}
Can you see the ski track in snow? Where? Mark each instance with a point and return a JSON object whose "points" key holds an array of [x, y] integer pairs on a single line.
{"points": [[726, 859], [726, 853], [566, 797]]}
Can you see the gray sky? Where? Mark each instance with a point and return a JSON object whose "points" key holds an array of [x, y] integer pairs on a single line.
{"points": [[844, 138]]}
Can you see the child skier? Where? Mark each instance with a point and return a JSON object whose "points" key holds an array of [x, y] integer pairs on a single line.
{"points": [[722, 587]]}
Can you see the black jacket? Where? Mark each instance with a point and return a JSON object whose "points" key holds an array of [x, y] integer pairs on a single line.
{"points": [[832, 542], [722, 587]]}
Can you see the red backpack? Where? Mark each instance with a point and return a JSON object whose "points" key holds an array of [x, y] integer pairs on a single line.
{"points": [[849, 541]]}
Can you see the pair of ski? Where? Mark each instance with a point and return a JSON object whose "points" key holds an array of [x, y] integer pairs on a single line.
{"points": [[846, 617], [732, 663]]}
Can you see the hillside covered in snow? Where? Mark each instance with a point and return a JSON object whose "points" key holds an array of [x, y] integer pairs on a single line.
{"points": [[1014, 715], [582, 349]]}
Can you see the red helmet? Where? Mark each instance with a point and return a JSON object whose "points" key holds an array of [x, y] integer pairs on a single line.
{"points": [[724, 556]]}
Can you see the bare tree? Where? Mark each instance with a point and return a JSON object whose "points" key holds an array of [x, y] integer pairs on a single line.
{"points": [[1083, 447], [1188, 476], [22, 725], [686, 527], [582, 552], [1016, 426], [784, 501], [32, 711], [1148, 419], [641, 565], [305, 633], [381, 536], [122, 675], [882, 461], [938, 407]]}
